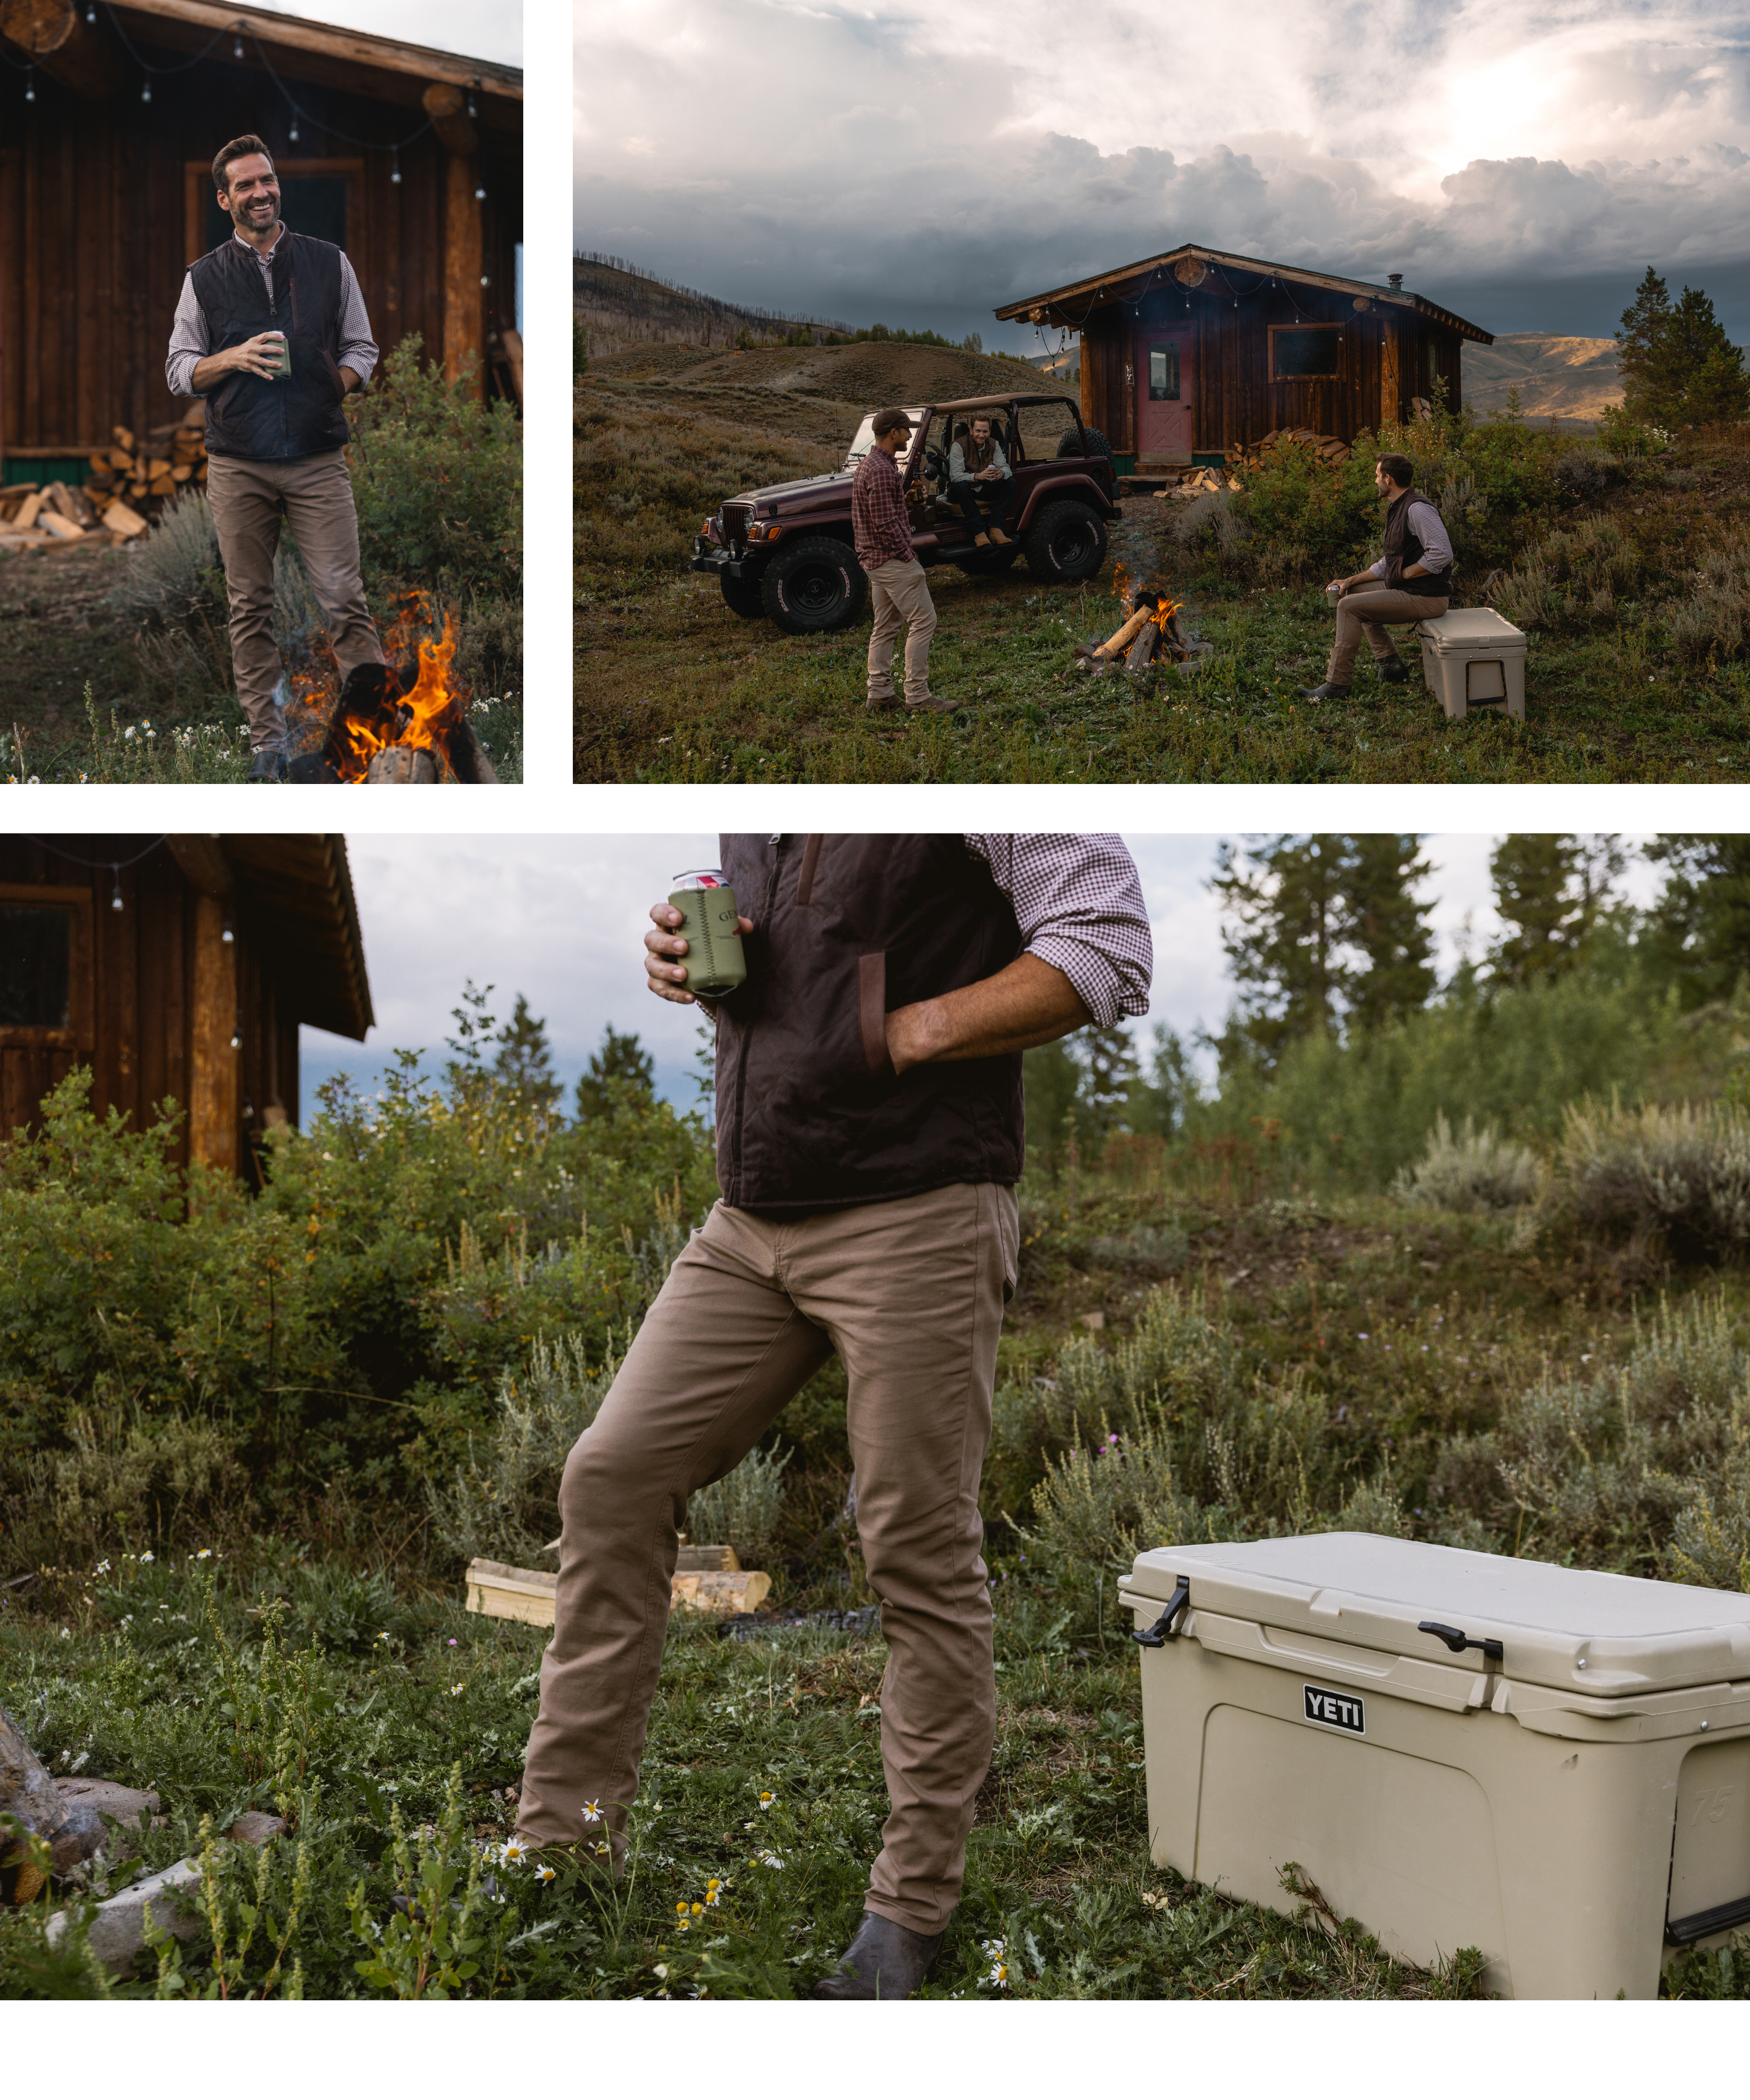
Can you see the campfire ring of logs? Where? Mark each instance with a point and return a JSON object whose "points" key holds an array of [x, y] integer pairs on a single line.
{"points": [[1153, 634]]}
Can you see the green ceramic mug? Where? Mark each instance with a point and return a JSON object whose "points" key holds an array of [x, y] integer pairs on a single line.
{"points": [[710, 925], [281, 351]]}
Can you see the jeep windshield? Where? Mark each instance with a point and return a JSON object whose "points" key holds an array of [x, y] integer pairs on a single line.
{"points": [[863, 443]]}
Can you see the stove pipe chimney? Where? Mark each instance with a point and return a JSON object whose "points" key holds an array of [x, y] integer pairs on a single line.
{"points": [[1395, 278]]}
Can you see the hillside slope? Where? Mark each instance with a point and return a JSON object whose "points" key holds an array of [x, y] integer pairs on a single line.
{"points": [[1572, 377], [621, 307]]}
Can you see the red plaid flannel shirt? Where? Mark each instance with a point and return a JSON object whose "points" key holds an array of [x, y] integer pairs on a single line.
{"points": [[878, 512]]}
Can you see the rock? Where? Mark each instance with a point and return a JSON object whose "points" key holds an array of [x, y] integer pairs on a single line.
{"points": [[108, 1797], [255, 1826], [118, 1929]]}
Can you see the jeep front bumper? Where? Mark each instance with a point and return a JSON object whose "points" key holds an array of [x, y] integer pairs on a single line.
{"points": [[711, 560]]}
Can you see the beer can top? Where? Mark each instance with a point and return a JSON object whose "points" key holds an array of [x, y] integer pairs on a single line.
{"points": [[702, 878]]}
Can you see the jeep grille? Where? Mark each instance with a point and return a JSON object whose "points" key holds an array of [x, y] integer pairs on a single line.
{"points": [[735, 518]]}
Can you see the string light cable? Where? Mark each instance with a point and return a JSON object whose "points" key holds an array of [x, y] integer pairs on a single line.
{"points": [[237, 34]]}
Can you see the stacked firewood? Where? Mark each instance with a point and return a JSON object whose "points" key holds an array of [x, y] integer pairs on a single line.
{"points": [[1333, 451], [126, 486], [1194, 481], [174, 456]]}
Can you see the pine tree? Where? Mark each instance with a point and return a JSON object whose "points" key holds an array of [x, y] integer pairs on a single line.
{"points": [[1107, 1059], [1551, 888], [524, 1063], [1677, 365], [1160, 1102], [619, 1075], [1640, 347], [1388, 924], [1283, 903], [1051, 1083], [1700, 923], [1707, 378]]}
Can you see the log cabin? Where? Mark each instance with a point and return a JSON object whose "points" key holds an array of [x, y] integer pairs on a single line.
{"points": [[1190, 353], [111, 112], [176, 967]]}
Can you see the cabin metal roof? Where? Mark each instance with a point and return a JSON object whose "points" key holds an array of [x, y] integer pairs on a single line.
{"points": [[1092, 292]]}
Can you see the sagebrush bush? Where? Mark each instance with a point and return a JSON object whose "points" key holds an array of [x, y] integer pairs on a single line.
{"points": [[1479, 1169], [742, 1509], [1676, 1176], [1711, 617], [1572, 576]]}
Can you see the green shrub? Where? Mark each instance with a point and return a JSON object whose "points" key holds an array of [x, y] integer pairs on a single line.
{"points": [[438, 480], [1572, 577], [742, 1509], [1476, 1171], [1676, 1178]]}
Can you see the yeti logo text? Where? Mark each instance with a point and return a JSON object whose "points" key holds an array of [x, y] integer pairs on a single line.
{"points": [[1336, 1709]]}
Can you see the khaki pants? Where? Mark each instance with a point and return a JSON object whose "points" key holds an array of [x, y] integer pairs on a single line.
{"points": [[313, 497], [902, 599], [1367, 612], [910, 1294]]}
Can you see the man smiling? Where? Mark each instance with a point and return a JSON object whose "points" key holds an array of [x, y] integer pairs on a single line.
{"points": [[271, 331]]}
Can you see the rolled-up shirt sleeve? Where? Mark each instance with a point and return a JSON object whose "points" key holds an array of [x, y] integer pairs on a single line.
{"points": [[1079, 901], [189, 343], [357, 350]]}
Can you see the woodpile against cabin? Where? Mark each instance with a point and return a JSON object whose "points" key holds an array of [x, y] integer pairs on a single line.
{"points": [[125, 488]]}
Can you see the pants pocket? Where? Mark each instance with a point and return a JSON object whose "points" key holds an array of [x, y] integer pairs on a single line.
{"points": [[872, 1008]]}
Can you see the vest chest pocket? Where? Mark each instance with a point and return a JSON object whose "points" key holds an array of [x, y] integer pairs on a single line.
{"points": [[871, 1006]]}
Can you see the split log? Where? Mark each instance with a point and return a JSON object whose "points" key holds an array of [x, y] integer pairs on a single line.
{"points": [[1125, 635], [526, 1595], [1143, 648], [121, 520], [63, 528], [73, 1831], [26, 514], [467, 757], [402, 764]]}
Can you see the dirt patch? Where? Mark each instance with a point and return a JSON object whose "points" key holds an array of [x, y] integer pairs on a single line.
{"points": [[56, 634]]}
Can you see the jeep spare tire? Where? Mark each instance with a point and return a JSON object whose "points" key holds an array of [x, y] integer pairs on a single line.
{"points": [[1066, 544], [814, 587], [741, 595], [1069, 447]]}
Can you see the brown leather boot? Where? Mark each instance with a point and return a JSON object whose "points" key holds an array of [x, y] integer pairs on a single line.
{"points": [[884, 1960]]}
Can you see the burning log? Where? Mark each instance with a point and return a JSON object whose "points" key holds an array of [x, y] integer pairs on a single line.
{"points": [[402, 764], [1141, 654], [1126, 634]]}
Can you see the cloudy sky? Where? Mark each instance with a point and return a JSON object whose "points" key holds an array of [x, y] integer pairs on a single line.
{"points": [[563, 920], [869, 160], [475, 28]]}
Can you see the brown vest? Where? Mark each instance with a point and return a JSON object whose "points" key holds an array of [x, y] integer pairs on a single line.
{"points": [[1403, 550], [810, 1114]]}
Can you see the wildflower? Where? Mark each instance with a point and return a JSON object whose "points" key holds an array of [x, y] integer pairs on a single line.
{"points": [[1360, 1337], [127, 1619], [452, 1640], [204, 1554], [713, 1889], [544, 1873], [661, 1969], [513, 1852], [103, 1566], [768, 1800], [144, 1557], [769, 1859], [592, 1811], [382, 1637], [457, 1690], [996, 1952], [602, 1847]]}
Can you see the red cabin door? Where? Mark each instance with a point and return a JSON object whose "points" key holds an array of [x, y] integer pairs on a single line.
{"points": [[1164, 394]]}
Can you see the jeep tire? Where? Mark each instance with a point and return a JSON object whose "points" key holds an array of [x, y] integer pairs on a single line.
{"points": [[815, 586], [741, 595], [1065, 544]]}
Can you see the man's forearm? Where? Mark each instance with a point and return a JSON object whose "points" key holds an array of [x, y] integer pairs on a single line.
{"points": [[1028, 1003], [207, 373]]}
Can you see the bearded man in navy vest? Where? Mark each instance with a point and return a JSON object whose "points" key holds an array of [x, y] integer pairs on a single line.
{"points": [[270, 331]]}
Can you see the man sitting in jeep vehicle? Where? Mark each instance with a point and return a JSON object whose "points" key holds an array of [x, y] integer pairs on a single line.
{"points": [[978, 468]]}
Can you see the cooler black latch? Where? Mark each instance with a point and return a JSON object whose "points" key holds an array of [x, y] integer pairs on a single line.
{"points": [[1163, 1630], [1458, 1640]]}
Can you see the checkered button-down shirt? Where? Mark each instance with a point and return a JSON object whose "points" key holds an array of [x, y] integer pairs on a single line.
{"points": [[878, 512], [1079, 903]]}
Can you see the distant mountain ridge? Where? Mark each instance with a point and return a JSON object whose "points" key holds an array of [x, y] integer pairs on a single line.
{"points": [[622, 305], [1572, 377]]}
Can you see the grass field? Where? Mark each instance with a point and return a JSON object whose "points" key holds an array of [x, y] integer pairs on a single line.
{"points": [[671, 686], [341, 1679]]}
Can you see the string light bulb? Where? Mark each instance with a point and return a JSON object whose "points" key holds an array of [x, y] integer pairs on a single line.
{"points": [[30, 83], [292, 133], [471, 106], [236, 48], [114, 901], [479, 192], [227, 936], [145, 92], [394, 164]]}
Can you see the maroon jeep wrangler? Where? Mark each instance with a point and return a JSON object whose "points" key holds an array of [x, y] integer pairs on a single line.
{"points": [[787, 552]]}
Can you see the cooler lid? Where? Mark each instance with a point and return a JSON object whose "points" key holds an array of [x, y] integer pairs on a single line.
{"points": [[1470, 626], [1571, 1629]]}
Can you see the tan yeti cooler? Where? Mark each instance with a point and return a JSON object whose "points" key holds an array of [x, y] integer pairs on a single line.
{"points": [[1459, 1748], [1472, 658]]}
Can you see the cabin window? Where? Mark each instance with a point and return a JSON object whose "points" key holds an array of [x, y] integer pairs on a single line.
{"points": [[1163, 372], [35, 966], [1305, 353]]}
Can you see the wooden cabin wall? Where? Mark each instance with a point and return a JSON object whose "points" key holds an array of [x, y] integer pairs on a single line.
{"points": [[1234, 400], [167, 993], [94, 241]]}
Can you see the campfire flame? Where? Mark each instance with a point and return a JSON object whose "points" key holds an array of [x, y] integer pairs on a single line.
{"points": [[422, 718], [1121, 584]]}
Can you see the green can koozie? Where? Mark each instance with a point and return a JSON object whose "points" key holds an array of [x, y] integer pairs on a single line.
{"points": [[714, 962]]}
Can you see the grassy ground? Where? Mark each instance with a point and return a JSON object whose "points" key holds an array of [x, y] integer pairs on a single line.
{"points": [[671, 686], [351, 1690]]}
